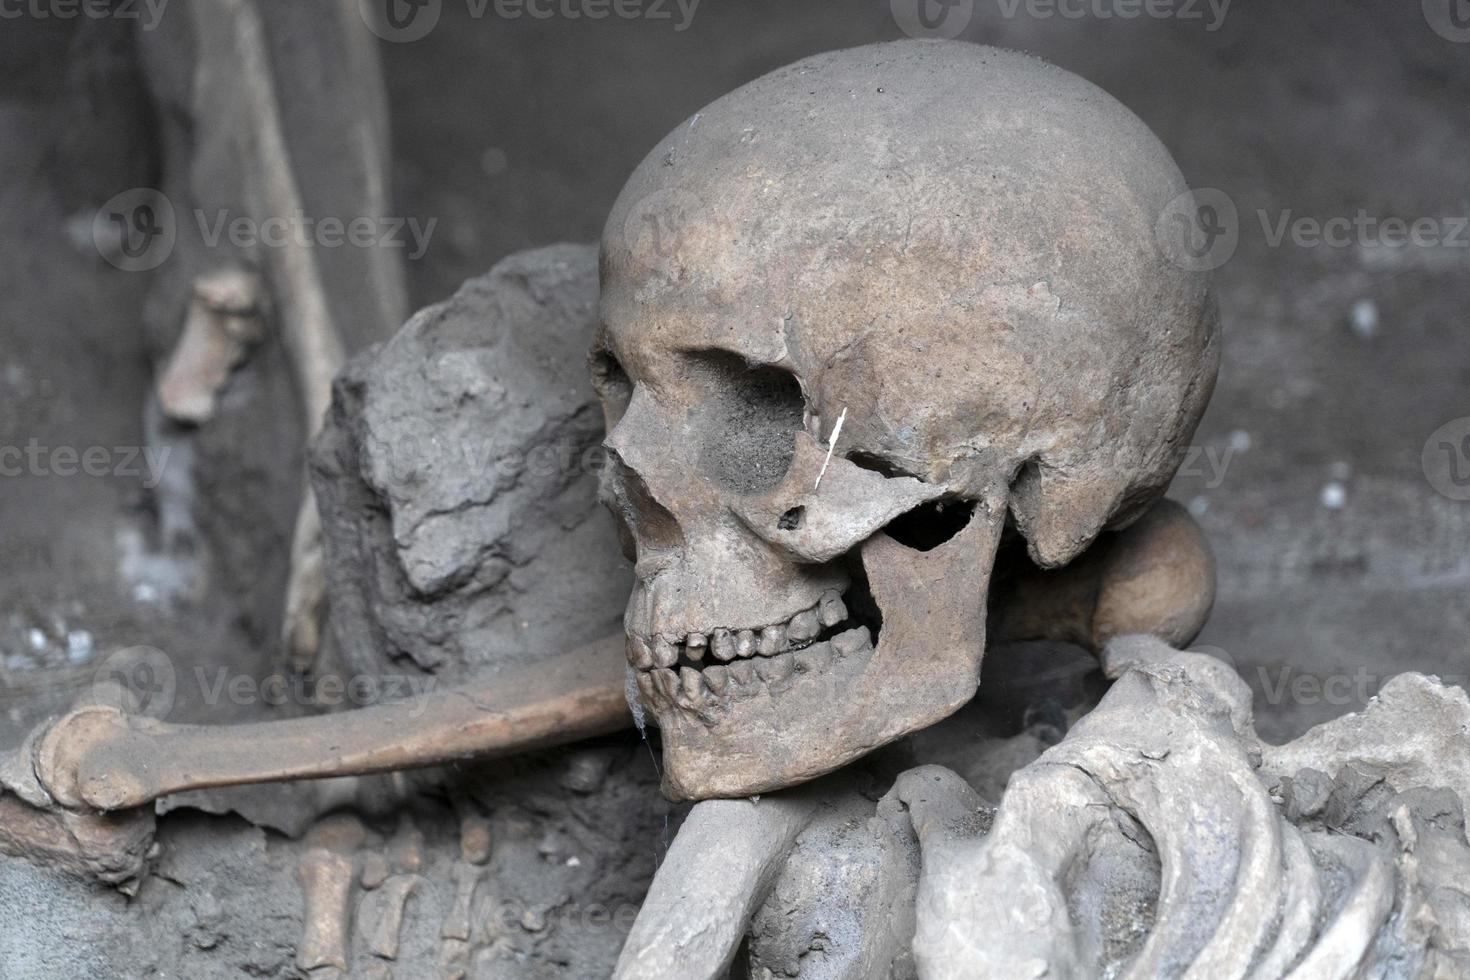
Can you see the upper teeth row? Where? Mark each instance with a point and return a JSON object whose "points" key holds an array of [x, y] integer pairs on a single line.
{"points": [[728, 644]]}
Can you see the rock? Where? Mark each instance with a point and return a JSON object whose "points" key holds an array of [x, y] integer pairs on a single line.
{"points": [[457, 477]]}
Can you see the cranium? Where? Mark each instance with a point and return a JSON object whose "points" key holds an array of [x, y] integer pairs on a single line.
{"points": [[951, 249]]}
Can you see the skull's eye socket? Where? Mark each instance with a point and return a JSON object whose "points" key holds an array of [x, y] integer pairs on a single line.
{"points": [[745, 421], [611, 383]]}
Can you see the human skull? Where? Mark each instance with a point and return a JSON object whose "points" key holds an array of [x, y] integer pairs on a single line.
{"points": [[947, 248]]}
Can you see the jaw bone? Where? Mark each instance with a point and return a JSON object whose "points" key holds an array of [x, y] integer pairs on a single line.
{"points": [[1159, 837]]}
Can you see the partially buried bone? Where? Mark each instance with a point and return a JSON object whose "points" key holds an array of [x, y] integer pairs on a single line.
{"points": [[380, 917], [98, 758], [242, 146], [223, 323], [326, 873]]}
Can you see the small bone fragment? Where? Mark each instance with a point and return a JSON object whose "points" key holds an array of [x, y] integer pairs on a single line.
{"points": [[454, 958], [375, 870], [474, 838], [223, 324], [381, 914], [326, 875], [406, 849], [110, 848], [457, 922]]}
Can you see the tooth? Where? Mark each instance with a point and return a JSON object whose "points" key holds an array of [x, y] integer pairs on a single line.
{"points": [[717, 677], [665, 654], [639, 653], [773, 640], [667, 681], [695, 646], [832, 609], [851, 641], [745, 643], [742, 677], [804, 626], [691, 683], [722, 644], [647, 691], [774, 669], [814, 659]]}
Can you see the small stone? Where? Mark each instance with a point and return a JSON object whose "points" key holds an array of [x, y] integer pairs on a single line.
{"points": [[78, 646], [1364, 318]]}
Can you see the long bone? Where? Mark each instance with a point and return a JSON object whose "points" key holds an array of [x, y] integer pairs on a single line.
{"points": [[238, 98], [1157, 577], [101, 759]]}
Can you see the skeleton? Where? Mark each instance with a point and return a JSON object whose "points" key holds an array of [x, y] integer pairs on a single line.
{"points": [[950, 248], [880, 392], [1161, 837]]}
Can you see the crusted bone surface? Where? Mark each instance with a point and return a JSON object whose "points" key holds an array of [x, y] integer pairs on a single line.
{"points": [[1161, 838], [971, 285]]}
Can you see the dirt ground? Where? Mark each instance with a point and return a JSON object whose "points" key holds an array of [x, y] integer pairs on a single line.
{"points": [[1336, 503]]}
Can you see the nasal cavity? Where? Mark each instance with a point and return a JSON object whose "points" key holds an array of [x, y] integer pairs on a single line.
{"points": [[930, 525], [791, 520]]}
